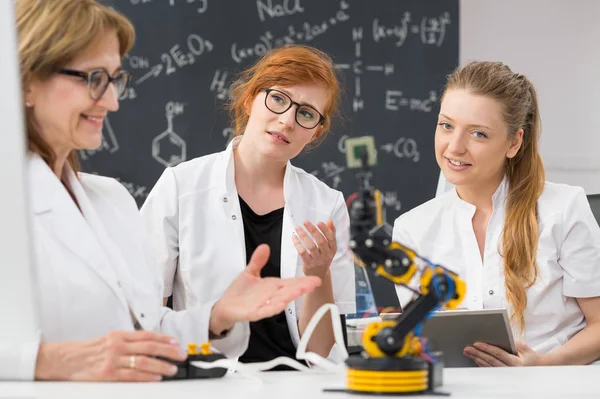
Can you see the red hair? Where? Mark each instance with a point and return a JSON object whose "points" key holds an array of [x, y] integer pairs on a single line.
{"points": [[285, 66]]}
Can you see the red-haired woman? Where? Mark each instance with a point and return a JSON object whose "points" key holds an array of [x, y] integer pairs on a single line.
{"points": [[206, 216]]}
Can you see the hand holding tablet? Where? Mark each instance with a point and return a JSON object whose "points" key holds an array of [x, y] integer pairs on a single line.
{"points": [[451, 331]]}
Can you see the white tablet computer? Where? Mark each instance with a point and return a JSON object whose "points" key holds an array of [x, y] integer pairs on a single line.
{"points": [[450, 331]]}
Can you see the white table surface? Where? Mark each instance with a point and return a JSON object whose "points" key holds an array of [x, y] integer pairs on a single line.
{"points": [[572, 382]]}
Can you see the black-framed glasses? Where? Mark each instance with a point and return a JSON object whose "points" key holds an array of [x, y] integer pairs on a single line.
{"points": [[306, 116], [98, 81]]}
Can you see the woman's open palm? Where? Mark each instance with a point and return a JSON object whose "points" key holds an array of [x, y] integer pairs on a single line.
{"points": [[251, 297]]}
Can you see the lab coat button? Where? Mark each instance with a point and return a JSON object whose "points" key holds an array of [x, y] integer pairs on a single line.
{"points": [[491, 292], [224, 199], [142, 315], [233, 217], [290, 311]]}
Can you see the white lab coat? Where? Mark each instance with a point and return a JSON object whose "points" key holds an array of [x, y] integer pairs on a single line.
{"points": [[193, 216], [91, 268], [568, 257]]}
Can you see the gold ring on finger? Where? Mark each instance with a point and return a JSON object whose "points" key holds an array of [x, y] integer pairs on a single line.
{"points": [[132, 361]]}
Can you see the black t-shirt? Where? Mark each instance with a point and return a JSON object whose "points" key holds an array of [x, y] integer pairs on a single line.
{"points": [[269, 338]]}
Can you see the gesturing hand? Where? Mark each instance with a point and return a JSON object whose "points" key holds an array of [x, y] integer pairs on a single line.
{"points": [[251, 297], [317, 252], [117, 356]]}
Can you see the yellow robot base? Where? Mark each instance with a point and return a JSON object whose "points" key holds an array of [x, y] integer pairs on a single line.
{"points": [[387, 375]]}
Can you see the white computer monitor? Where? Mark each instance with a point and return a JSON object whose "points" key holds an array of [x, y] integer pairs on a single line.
{"points": [[17, 296]]}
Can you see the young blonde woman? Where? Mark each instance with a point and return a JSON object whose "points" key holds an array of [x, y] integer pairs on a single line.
{"points": [[519, 242], [95, 275], [208, 214]]}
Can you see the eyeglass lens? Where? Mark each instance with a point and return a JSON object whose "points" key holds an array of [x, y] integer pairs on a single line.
{"points": [[279, 102], [99, 80]]}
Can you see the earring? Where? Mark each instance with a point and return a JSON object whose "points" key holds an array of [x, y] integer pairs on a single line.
{"points": [[28, 104]]}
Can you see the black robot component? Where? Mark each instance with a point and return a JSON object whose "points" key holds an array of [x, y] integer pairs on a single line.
{"points": [[187, 371]]}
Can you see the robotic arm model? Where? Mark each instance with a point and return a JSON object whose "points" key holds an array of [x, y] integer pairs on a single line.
{"points": [[396, 357]]}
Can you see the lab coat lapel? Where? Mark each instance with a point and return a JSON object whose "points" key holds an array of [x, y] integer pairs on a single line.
{"points": [[231, 205], [55, 209], [117, 272], [294, 215]]}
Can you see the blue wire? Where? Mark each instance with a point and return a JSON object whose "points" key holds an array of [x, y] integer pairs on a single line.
{"points": [[451, 288], [417, 331], [437, 288]]}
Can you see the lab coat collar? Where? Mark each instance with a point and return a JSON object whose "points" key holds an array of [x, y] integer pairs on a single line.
{"points": [[41, 180], [290, 182], [498, 197], [79, 231], [501, 192], [47, 191]]}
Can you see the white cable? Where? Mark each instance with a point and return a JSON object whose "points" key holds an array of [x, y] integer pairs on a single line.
{"points": [[231, 365], [252, 370], [338, 334]]}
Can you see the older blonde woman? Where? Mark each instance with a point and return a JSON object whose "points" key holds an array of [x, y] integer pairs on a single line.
{"points": [[97, 282]]}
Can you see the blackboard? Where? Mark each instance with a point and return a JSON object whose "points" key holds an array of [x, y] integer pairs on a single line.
{"points": [[393, 57]]}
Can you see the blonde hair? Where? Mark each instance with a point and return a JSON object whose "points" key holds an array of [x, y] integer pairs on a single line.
{"points": [[51, 33], [286, 66], [525, 171]]}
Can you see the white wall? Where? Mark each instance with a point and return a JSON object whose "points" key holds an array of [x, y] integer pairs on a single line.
{"points": [[556, 43], [16, 296]]}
